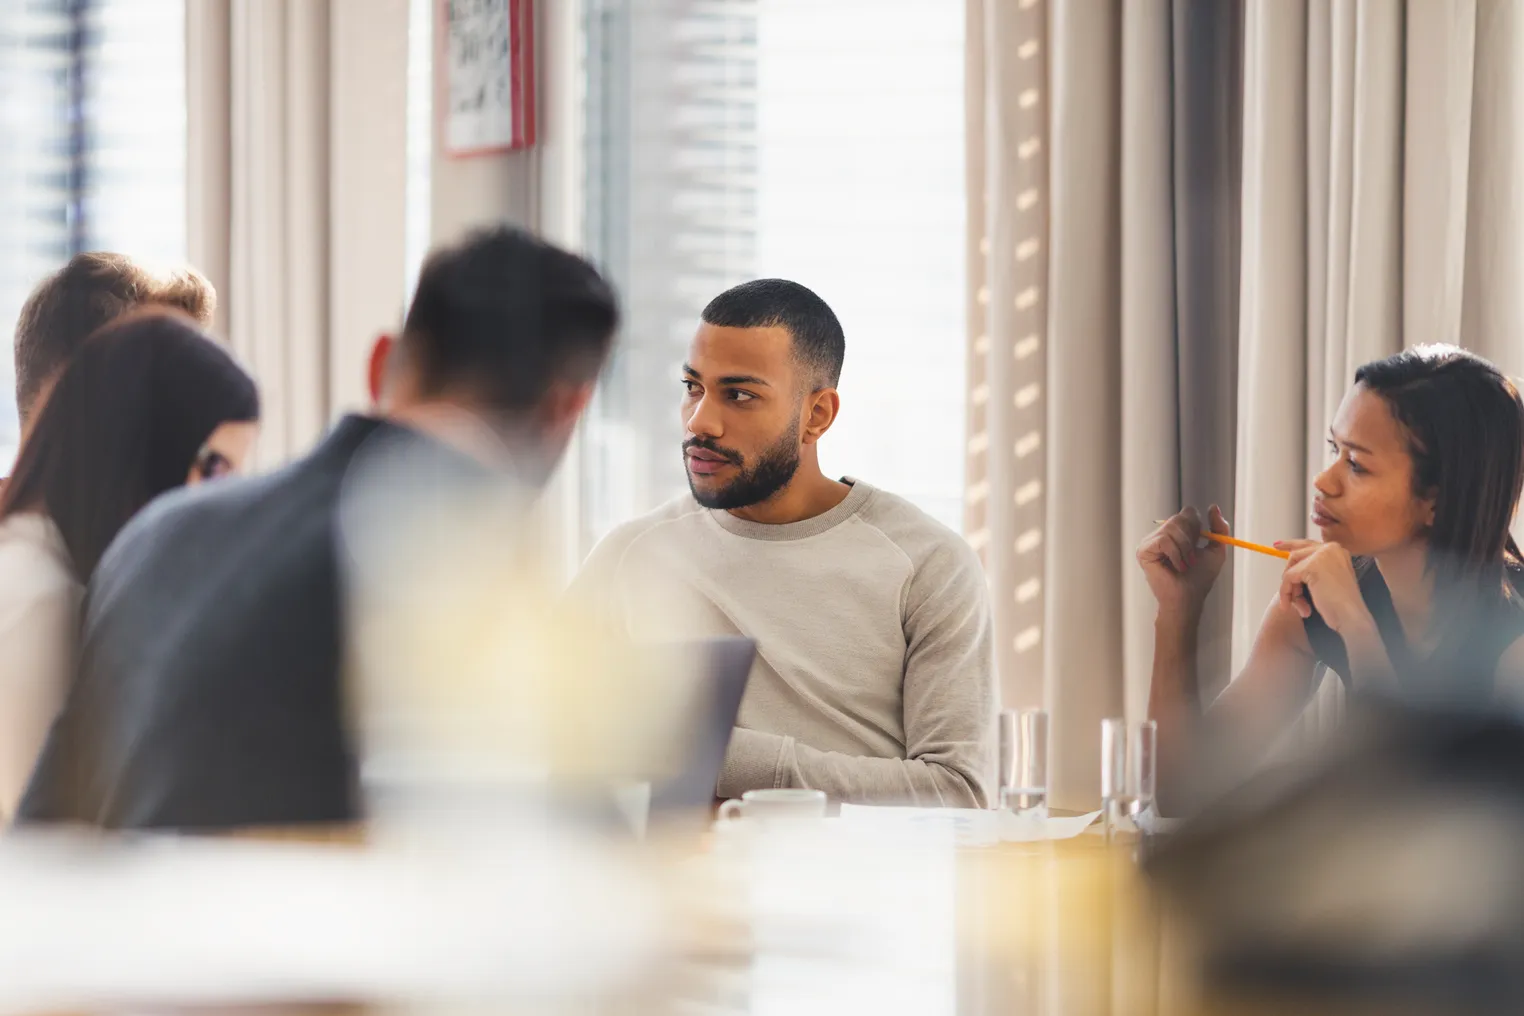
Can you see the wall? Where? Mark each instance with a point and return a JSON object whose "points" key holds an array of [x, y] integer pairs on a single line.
{"points": [[368, 135], [539, 188], [482, 188], [493, 188]]}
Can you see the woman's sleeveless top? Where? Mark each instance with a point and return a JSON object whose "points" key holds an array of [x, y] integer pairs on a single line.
{"points": [[1463, 666]]}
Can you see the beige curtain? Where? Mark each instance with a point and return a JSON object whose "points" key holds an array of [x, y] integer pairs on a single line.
{"points": [[1249, 198], [1377, 217], [297, 177], [1007, 268]]}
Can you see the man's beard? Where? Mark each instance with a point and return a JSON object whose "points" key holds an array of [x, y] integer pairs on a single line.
{"points": [[756, 483]]}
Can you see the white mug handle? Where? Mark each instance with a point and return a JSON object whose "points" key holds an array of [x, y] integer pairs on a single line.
{"points": [[730, 810]]}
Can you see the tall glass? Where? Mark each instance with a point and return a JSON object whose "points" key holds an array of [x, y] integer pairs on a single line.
{"points": [[1114, 802], [1010, 732], [1024, 763], [1129, 773], [1142, 765]]}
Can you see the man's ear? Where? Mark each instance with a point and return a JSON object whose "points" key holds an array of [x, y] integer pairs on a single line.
{"points": [[822, 409], [380, 359]]}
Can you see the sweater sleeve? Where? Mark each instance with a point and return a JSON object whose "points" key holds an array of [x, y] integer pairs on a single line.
{"points": [[949, 707]]}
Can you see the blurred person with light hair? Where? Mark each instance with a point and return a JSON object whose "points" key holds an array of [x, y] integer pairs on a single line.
{"points": [[74, 302], [211, 688], [874, 679], [148, 404], [1413, 591]]}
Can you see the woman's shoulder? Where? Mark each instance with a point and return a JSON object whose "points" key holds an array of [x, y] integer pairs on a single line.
{"points": [[34, 562], [1510, 672], [1509, 623], [1509, 615]]}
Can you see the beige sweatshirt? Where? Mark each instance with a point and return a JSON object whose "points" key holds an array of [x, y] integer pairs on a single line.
{"points": [[874, 679]]}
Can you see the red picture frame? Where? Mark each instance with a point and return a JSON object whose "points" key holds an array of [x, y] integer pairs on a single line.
{"points": [[465, 135]]}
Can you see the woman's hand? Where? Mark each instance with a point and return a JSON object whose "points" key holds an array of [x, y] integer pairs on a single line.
{"points": [[1180, 573], [1322, 575]]}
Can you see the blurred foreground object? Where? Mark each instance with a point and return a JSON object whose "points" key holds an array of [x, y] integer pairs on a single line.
{"points": [[475, 692], [155, 921], [1386, 867]]}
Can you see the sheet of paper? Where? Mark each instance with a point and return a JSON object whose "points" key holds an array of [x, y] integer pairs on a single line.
{"points": [[973, 827], [1060, 827]]}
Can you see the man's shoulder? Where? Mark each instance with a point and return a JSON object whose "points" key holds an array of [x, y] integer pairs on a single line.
{"points": [[680, 508], [944, 570], [273, 500], [203, 504], [190, 509], [913, 530], [213, 646], [207, 529], [672, 516]]}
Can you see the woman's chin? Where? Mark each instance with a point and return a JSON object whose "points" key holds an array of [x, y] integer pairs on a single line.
{"points": [[1361, 548], [1332, 535]]}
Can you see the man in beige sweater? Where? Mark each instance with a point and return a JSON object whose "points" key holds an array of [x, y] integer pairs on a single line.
{"points": [[874, 679]]}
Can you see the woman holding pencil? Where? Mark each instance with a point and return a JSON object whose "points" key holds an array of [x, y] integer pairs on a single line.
{"points": [[1412, 588]]}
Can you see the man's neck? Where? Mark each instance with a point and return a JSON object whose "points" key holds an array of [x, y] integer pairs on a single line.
{"points": [[808, 494], [456, 427]]}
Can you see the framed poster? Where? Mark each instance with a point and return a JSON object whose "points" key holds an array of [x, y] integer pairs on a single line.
{"points": [[484, 60]]}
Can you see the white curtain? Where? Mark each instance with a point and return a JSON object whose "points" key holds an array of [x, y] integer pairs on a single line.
{"points": [[297, 177], [1249, 198]]}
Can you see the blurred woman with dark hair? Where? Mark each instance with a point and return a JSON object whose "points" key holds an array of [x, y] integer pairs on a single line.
{"points": [[147, 404], [1414, 588]]}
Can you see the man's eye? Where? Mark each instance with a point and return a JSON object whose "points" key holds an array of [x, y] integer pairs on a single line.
{"points": [[736, 395]]}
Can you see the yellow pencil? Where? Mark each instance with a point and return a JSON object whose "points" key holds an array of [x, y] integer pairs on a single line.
{"points": [[1232, 541]]}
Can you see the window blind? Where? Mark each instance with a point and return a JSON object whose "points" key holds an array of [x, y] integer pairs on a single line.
{"points": [[132, 127], [92, 117], [671, 199], [38, 48], [818, 140]]}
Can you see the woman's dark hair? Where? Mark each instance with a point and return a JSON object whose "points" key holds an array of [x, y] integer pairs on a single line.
{"points": [[1465, 428], [124, 424]]}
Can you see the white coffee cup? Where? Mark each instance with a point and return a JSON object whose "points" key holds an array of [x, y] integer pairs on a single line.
{"points": [[772, 805]]}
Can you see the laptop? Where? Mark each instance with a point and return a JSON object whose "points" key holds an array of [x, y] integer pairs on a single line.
{"points": [[686, 797]]}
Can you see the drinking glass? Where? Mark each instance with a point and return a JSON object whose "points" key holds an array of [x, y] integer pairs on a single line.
{"points": [[1113, 773], [1129, 773], [1142, 767], [1024, 763]]}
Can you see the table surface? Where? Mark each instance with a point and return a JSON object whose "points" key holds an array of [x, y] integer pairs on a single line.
{"points": [[843, 926], [1063, 928]]}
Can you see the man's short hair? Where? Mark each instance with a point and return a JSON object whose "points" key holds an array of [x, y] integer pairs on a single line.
{"points": [[86, 294], [778, 303], [505, 315]]}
